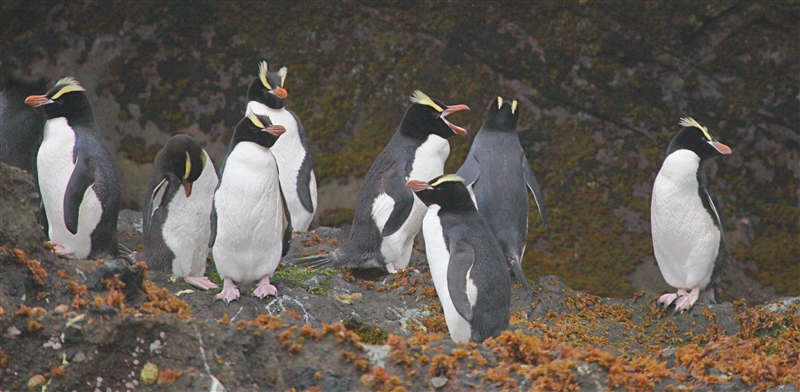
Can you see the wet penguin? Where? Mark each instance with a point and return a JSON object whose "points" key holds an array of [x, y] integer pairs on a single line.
{"points": [[250, 225], [177, 210], [268, 97], [499, 176], [467, 265], [688, 236], [21, 126], [387, 215], [78, 176]]}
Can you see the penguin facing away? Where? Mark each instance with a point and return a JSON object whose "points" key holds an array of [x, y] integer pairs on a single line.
{"points": [[467, 265], [387, 215], [686, 225], [250, 225], [177, 210], [21, 126], [498, 175], [78, 176], [268, 97]]}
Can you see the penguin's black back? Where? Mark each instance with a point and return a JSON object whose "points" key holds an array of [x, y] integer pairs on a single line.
{"points": [[21, 126], [157, 254]]}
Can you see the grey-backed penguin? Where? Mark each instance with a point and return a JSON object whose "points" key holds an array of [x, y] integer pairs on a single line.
{"points": [[78, 176], [387, 215], [467, 265], [685, 219], [21, 126], [177, 210], [498, 175], [250, 225], [268, 97]]}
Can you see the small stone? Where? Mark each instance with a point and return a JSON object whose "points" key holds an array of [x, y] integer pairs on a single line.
{"points": [[38, 311], [62, 308], [368, 380], [438, 382], [12, 332], [36, 382], [149, 373], [345, 299], [79, 357]]}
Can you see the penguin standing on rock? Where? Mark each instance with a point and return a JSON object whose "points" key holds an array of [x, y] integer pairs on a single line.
{"points": [[176, 222], [268, 97], [21, 126], [467, 265], [499, 176], [78, 176], [387, 215], [685, 219], [250, 225]]}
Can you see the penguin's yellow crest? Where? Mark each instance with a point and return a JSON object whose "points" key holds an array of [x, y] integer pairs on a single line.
{"points": [[254, 119], [188, 166], [262, 74], [203, 158], [448, 178], [499, 102], [69, 85], [690, 122], [513, 106], [422, 99], [282, 73]]}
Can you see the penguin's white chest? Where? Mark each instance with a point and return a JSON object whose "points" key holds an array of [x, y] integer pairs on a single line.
{"points": [[289, 152], [54, 164], [685, 239], [249, 215], [187, 226], [438, 261]]}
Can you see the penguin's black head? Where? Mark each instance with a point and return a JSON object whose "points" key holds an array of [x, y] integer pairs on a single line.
{"points": [[426, 116], [258, 129], [268, 87], [696, 138], [503, 116], [66, 99], [447, 191], [184, 158]]}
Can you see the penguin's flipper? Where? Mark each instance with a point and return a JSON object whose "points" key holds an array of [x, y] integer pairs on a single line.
{"points": [[81, 179], [306, 170], [711, 204], [287, 225], [533, 185], [470, 170], [459, 284], [394, 184], [156, 198], [516, 268], [213, 217]]}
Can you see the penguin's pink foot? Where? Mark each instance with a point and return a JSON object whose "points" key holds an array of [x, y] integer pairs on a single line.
{"points": [[229, 291], [390, 268], [264, 289], [686, 301], [57, 249], [667, 299], [201, 282]]}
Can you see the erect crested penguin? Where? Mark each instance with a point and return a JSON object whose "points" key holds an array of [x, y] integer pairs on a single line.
{"points": [[268, 97], [499, 177], [177, 211], [250, 225], [78, 175], [467, 265], [21, 126], [685, 219], [387, 215]]}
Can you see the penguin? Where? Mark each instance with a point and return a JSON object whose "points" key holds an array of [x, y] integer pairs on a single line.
{"points": [[21, 126], [466, 262], [250, 222], [268, 97], [78, 176], [177, 211], [498, 175], [685, 218], [387, 215]]}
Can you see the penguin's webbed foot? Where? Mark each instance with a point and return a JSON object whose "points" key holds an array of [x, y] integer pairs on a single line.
{"points": [[201, 282], [229, 291], [264, 289], [667, 299], [686, 301], [390, 268]]}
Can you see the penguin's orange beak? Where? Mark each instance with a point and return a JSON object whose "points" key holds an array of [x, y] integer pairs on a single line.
{"points": [[187, 187], [723, 149], [452, 109], [280, 92], [276, 130], [417, 185], [37, 100]]}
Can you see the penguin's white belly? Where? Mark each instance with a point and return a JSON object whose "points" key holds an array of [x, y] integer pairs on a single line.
{"points": [[249, 215], [685, 239], [289, 152], [55, 166], [438, 261], [187, 227]]}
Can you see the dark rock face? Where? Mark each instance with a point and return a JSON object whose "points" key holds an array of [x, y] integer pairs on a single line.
{"points": [[19, 210]]}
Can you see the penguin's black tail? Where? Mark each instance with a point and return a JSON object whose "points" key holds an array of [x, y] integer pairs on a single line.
{"points": [[516, 267], [126, 254], [314, 262]]}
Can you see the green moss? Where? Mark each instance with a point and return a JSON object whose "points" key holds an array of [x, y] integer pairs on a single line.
{"points": [[368, 334], [297, 277], [336, 217], [135, 149], [213, 274]]}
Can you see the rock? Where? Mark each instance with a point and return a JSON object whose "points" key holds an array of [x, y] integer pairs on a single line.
{"points": [[79, 357], [19, 211], [36, 382], [438, 382], [149, 374], [131, 275]]}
